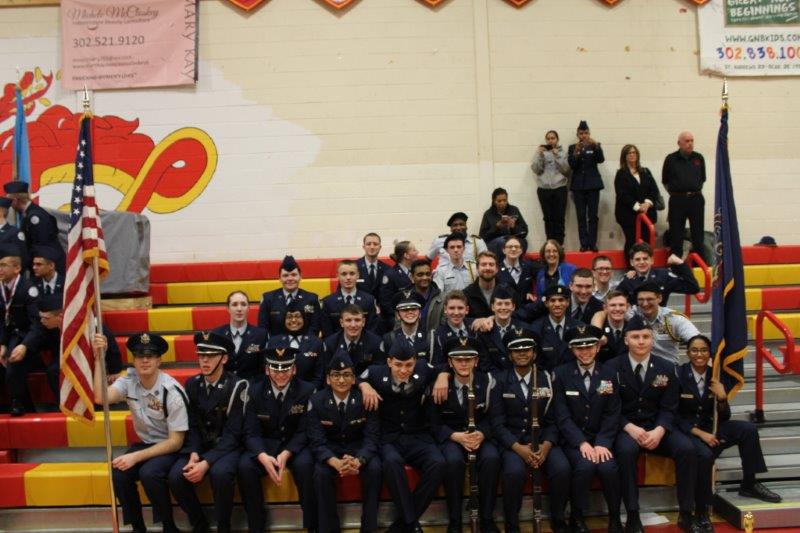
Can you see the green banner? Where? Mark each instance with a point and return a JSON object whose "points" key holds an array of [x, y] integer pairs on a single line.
{"points": [[762, 12]]}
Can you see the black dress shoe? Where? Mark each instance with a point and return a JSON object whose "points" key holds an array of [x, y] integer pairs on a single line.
{"points": [[584, 248], [614, 524], [686, 522], [634, 524], [593, 249], [578, 525], [418, 528], [756, 490], [395, 527], [17, 408], [454, 528], [703, 523], [489, 527], [559, 526]]}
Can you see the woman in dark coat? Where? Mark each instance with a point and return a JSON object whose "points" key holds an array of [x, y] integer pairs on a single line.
{"points": [[636, 192]]}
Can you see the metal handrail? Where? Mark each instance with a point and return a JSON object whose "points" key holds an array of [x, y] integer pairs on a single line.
{"points": [[789, 365], [692, 260], [643, 219]]}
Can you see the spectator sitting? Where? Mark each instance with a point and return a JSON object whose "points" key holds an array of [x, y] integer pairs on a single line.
{"points": [[603, 270], [556, 271], [248, 339], [501, 220]]}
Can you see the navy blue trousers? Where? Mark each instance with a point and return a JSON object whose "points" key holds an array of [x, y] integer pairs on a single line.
{"points": [[488, 462], [582, 472], [516, 472], [325, 486]]}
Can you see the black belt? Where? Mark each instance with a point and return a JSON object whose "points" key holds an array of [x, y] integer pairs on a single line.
{"points": [[687, 194]]}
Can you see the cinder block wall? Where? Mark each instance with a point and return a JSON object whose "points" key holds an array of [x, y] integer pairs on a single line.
{"points": [[391, 116]]}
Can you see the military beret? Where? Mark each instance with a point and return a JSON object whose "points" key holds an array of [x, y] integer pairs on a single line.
{"points": [[459, 348], [407, 299], [340, 361], [10, 250], [279, 355], [16, 187], [457, 216], [147, 344], [210, 343], [456, 236], [45, 252], [557, 290], [520, 339], [288, 264], [636, 323], [401, 350], [583, 335], [50, 302]]}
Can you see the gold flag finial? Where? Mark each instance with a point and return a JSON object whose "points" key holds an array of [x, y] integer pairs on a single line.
{"points": [[725, 94], [87, 104], [749, 522]]}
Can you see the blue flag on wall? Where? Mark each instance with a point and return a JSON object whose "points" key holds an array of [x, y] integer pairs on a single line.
{"points": [[22, 154], [728, 316]]}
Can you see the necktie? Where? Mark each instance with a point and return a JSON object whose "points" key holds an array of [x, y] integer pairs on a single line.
{"points": [[351, 348], [502, 332], [348, 300], [617, 335], [402, 388], [341, 409], [372, 273], [464, 392], [7, 292], [587, 380], [524, 387], [410, 341], [288, 299], [701, 386], [514, 270], [237, 339], [280, 398], [577, 313], [639, 378], [462, 334], [47, 289], [558, 331]]}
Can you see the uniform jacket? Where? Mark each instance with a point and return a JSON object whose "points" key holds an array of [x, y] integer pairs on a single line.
{"points": [[272, 310], [585, 174], [394, 280], [553, 350], [333, 304], [679, 278], [310, 360], [527, 279], [656, 402], [582, 416], [422, 344], [439, 339], [512, 423], [330, 435], [695, 410], [39, 283], [492, 347], [216, 416], [589, 309], [366, 351], [450, 416], [246, 362], [22, 320], [613, 347], [365, 283], [285, 422]]}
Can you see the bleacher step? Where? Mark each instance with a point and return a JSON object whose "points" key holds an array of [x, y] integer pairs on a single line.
{"points": [[781, 466], [774, 440], [773, 412], [775, 391], [729, 505]]}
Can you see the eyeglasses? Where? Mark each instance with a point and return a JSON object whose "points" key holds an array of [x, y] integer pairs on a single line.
{"points": [[335, 376], [513, 246], [699, 350]]}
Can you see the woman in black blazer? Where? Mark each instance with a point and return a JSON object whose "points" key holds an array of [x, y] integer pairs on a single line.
{"points": [[636, 191]]}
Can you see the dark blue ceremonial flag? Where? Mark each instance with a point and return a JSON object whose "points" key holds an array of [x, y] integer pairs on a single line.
{"points": [[728, 317]]}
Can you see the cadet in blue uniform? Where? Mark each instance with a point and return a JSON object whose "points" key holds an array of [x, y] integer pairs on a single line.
{"points": [[407, 306], [275, 438], [47, 279], [648, 389], [248, 340], [587, 409], [273, 304], [370, 269], [550, 330], [516, 272], [583, 305], [394, 279], [347, 294], [695, 418], [512, 432], [51, 315], [309, 361], [363, 347], [456, 324], [20, 334], [214, 441], [449, 422], [615, 306], [492, 343], [586, 184], [10, 234], [678, 278], [398, 390], [39, 226], [343, 436], [158, 407]]}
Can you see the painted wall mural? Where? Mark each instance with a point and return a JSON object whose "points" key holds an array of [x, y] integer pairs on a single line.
{"points": [[163, 177]]}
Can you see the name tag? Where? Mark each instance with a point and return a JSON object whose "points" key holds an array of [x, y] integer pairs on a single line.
{"points": [[326, 422], [573, 393], [509, 395], [687, 395]]}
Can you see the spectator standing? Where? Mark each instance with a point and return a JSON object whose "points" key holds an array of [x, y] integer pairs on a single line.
{"points": [[683, 175], [636, 192], [552, 170], [586, 184]]}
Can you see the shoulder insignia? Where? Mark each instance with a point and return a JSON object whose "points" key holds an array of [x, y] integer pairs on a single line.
{"points": [[385, 280], [33, 292], [21, 236], [34, 220]]}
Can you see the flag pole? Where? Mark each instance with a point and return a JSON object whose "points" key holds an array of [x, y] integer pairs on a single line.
{"points": [[716, 366], [104, 379]]}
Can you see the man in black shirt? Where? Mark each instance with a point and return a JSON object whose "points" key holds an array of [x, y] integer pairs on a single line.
{"points": [[683, 176]]}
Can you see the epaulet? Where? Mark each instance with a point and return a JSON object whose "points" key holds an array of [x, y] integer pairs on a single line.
{"points": [[475, 236], [673, 312], [443, 235]]}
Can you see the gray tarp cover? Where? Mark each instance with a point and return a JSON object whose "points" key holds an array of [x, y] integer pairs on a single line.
{"points": [[127, 237]]}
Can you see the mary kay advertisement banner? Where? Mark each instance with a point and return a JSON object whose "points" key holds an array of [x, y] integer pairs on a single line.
{"points": [[116, 44], [750, 37]]}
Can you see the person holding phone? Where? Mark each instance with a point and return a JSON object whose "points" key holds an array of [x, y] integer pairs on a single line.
{"points": [[500, 221], [586, 184], [552, 170]]}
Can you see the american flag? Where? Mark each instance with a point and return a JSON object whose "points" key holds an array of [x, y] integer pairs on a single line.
{"points": [[85, 242]]}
